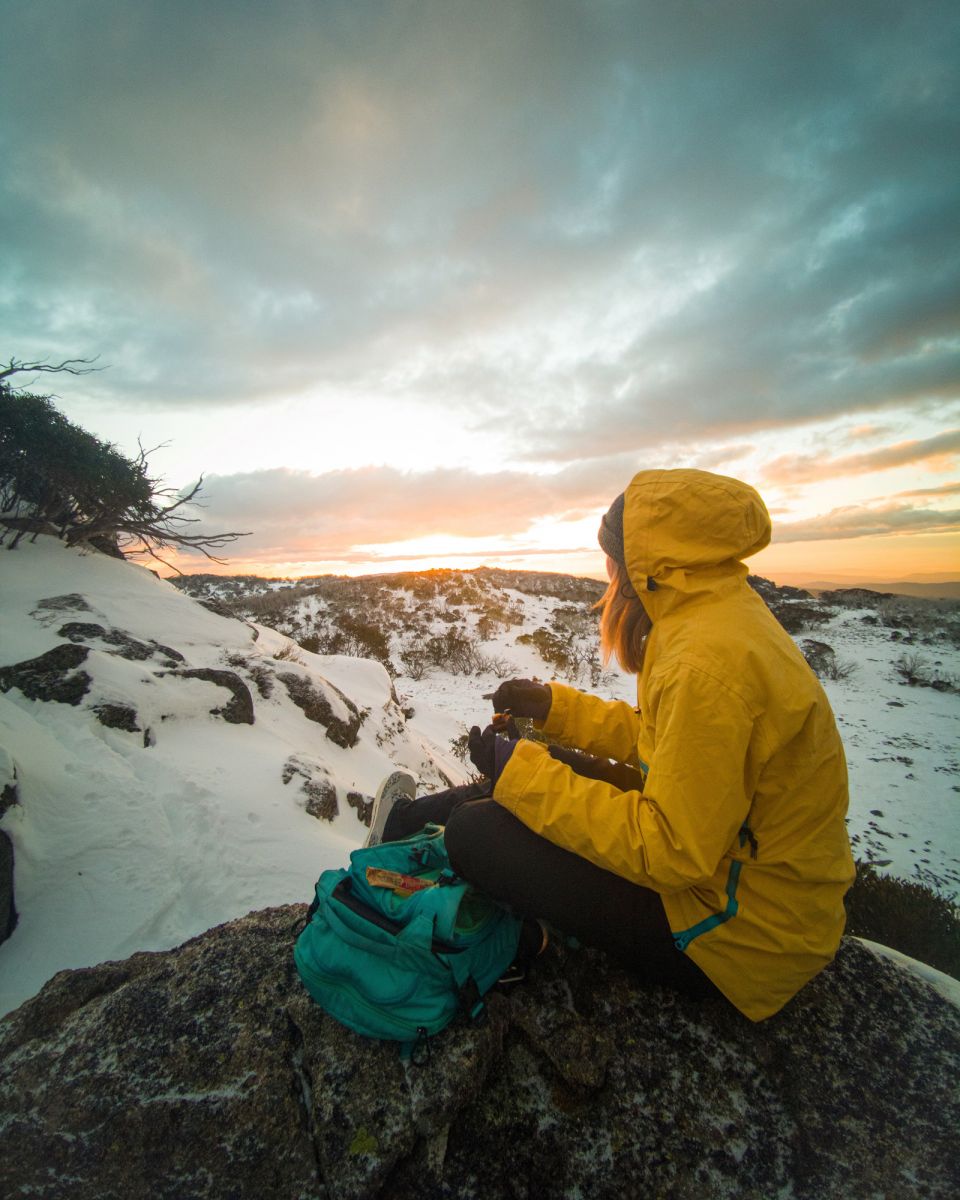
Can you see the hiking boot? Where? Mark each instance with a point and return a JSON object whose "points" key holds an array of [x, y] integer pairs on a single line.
{"points": [[534, 939], [398, 786]]}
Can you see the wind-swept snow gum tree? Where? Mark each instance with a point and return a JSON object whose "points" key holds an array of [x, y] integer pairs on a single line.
{"points": [[57, 478]]}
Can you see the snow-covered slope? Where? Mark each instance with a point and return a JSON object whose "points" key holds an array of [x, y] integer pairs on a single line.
{"points": [[903, 747], [137, 837]]}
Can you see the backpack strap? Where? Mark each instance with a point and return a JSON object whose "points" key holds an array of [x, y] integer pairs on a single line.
{"points": [[467, 988], [445, 901]]}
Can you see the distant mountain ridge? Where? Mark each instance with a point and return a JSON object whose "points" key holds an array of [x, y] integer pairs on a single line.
{"points": [[927, 588], [544, 583], [948, 590], [551, 583]]}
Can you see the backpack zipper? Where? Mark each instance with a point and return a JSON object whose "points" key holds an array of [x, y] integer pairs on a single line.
{"points": [[343, 894]]}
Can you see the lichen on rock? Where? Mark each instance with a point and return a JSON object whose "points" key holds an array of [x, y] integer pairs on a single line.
{"points": [[119, 642], [50, 677], [316, 785], [118, 716], [206, 1071], [316, 706]]}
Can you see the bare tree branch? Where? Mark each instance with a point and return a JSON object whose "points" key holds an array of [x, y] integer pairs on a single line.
{"points": [[89, 491], [69, 366]]}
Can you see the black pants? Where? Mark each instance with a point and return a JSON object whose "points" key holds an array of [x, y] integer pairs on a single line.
{"points": [[498, 854]]}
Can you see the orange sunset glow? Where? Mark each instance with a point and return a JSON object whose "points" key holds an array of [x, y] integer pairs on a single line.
{"points": [[428, 285]]}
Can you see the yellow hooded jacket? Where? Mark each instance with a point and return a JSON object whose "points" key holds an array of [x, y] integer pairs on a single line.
{"points": [[740, 824]]}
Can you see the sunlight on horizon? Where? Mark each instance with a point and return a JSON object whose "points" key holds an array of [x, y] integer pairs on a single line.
{"points": [[876, 559]]}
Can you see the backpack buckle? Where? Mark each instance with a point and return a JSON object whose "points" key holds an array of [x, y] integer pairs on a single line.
{"points": [[420, 1050]]}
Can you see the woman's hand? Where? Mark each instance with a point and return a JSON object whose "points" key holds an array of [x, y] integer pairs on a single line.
{"points": [[489, 752], [483, 754], [523, 698]]}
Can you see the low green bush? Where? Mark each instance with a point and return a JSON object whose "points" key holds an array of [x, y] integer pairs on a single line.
{"points": [[906, 916]]}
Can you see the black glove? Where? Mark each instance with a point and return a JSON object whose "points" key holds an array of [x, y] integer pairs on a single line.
{"points": [[524, 698], [482, 753]]}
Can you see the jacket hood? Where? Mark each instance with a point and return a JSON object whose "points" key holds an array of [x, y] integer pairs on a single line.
{"points": [[683, 521]]}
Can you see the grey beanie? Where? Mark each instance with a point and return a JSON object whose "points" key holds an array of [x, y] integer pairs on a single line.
{"points": [[610, 535]]}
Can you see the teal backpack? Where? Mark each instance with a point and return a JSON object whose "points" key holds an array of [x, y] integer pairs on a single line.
{"points": [[396, 945]]}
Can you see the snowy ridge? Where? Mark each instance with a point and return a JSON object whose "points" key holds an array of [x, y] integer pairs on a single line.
{"points": [[136, 838]]}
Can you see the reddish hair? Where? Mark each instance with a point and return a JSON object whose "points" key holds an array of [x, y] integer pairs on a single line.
{"points": [[624, 623]]}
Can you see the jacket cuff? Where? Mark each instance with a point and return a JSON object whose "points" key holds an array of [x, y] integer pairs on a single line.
{"points": [[524, 761], [556, 719]]}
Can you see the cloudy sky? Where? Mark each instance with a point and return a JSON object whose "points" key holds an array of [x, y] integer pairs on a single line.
{"points": [[424, 282]]}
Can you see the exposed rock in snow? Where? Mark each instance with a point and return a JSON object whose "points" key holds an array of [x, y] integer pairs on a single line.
{"points": [[51, 677], [206, 1071], [8, 797], [8, 908], [315, 704], [239, 710]]}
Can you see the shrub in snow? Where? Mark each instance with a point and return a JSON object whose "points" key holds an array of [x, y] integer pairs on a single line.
{"points": [[914, 669], [796, 616], [906, 915], [289, 653], [823, 660], [415, 661], [455, 651]]}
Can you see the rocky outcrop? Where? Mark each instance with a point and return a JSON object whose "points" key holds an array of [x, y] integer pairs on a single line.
{"points": [[118, 716], [50, 677], [315, 706], [9, 796], [119, 642], [239, 709], [8, 908], [316, 786], [794, 608], [212, 604], [9, 792], [775, 593], [206, 1071], [54, 677], [69, 602]]}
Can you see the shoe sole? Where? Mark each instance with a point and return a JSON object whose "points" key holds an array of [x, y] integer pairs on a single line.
{"points": [[393, 788]]}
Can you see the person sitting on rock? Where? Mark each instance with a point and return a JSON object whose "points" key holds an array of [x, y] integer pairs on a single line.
{"points": [[708, 852]]}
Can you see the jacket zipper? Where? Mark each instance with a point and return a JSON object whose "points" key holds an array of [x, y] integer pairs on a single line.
{"points": [[683, 938]]}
